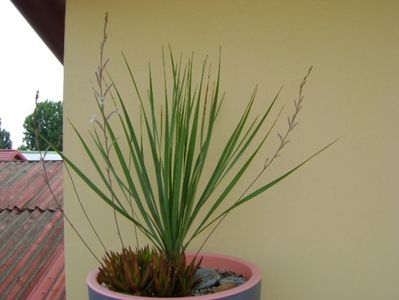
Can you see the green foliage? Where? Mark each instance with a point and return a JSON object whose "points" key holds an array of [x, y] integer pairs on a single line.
{"points": [[146, 272], [174, 142], [5, 141], [23, 148], [49, 117], [153, 165]]}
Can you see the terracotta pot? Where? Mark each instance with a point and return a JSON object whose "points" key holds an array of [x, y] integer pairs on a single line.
{"points": [[250, 290]]}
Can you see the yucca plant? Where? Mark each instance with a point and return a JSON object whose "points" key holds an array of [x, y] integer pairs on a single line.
{"points": [[154, 170]]}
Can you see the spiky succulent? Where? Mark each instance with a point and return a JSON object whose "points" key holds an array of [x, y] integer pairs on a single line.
{"points": [[148, 272]]}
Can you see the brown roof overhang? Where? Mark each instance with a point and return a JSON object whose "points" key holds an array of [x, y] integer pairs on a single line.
{"points": [[47, 18]]}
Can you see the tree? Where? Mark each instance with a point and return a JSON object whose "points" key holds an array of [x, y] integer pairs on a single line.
{"points": [[5, 141], [48, 118]]}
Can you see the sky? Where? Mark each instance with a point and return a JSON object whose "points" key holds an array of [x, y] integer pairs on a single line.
{"points": [[26, 65]]}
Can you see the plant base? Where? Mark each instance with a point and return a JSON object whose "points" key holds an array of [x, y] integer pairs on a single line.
{"points": [[250, 290]]}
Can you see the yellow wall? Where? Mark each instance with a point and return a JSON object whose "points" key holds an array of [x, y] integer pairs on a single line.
{"points": [[330, 231]]}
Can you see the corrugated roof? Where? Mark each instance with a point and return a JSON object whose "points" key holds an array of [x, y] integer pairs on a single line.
{"points": [[8, 154], [31, 231], [22, 185], [31, 255]]}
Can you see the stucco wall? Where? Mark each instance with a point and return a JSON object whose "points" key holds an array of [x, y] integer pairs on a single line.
{"points": [[331, 230]]}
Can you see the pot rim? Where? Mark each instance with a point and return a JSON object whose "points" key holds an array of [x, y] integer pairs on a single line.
{"points": [[252, 274]]}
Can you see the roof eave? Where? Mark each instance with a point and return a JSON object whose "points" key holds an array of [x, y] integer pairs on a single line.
{"points": [[47, 18]]}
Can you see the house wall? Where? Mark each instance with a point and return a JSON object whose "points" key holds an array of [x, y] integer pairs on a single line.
{"points": [[328, 232]]}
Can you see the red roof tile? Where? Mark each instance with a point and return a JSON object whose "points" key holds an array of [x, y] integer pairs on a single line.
{"points": [[7, 155], [22, 185], [31, 254], [31, 231]]}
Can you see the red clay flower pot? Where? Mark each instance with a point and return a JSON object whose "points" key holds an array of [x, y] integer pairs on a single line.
{"points": [[250, 290]]}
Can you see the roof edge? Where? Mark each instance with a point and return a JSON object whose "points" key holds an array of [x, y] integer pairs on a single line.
{"points": [[47, 18]]}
